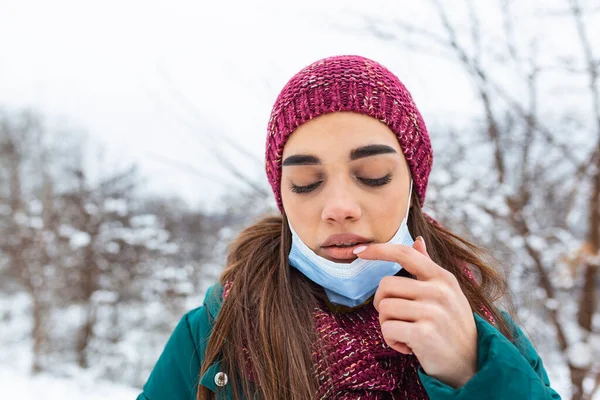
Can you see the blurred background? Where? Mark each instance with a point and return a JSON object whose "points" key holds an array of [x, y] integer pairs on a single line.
{"points": [[131, 152]]}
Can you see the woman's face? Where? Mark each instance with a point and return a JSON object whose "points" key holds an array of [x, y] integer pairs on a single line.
{"points": [[344, 182]]}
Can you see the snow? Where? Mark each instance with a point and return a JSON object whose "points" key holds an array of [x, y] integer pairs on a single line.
{"points": [[593, 260], [118, 206], [104, 296], [580, 355], [20, 218], [65, 230], [537, 243], [144, 220], [23, 387], [552, 304], [4, 209], [91, 208], [36, 223], [35, 207], [169, 248], [112, 247], [594, 341], [79, 240]]}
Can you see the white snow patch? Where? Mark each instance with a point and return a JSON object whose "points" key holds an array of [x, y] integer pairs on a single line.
{"points": [[144, 220], [593, 260], [66, 230], [91, 208], [118, 206], [580, 355], [552, 304], [20, 218], [5, 209], [36, 223], [24, 387], [104, 296], [594, 341], [169, 248], [537, 243], [79, 240], [112, 247], [35, 206]]}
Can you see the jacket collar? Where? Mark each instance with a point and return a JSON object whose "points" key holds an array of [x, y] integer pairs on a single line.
{"points": [[213, 301]]}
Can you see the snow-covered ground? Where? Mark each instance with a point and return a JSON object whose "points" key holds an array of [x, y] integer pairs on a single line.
{"points": [[65, 382], [24, 387], [17, 385]]}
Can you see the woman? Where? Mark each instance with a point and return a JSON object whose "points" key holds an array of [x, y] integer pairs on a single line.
{"points": [[333, 299]]}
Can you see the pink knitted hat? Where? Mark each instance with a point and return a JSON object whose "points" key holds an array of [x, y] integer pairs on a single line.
{"points": [[349, 83]]}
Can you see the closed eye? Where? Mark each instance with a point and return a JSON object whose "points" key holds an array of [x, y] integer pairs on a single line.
{"points": [[307, 188], [376, 182]]}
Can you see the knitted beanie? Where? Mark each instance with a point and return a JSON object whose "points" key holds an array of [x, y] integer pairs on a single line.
{"points": [[349, 83]]}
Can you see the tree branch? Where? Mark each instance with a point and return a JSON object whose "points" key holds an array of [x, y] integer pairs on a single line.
{"points": [[588, 301], [481, 76]]}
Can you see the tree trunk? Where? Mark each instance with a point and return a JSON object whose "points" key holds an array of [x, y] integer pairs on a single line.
{"points": [[89, 279], [86, 333], [37, 333]]}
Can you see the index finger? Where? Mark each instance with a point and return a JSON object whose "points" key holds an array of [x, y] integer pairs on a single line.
{"points": [[410, 259]]}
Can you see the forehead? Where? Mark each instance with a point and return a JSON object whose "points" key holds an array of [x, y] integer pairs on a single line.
{"points": [[339, 133]]}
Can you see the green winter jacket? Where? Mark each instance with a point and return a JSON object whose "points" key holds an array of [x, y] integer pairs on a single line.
{"points": [[505, 371]]}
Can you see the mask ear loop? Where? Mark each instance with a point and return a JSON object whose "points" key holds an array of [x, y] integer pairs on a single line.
{"points": [[409, 198]]}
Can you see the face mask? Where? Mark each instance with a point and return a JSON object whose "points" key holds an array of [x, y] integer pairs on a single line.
{"points": [[347, 284]]}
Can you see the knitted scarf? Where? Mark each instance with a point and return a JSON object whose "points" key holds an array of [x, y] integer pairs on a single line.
{"points": [[354, 362]]}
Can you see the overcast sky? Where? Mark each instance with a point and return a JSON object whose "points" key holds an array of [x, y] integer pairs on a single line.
{"points": [[154, 80]]}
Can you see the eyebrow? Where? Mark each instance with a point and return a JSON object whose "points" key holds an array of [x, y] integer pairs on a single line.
{"points": [[361, 152], [300, 159], [370, 150]]}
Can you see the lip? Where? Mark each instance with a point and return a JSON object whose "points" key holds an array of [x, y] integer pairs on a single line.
{"points": [[344, 238], [343, 253]]}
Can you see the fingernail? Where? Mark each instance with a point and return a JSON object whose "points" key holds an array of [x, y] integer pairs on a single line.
{"points": [[359, 249], [422, 241]]}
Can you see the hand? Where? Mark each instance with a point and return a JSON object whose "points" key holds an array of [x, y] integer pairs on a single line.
{"points": [[428, 316]]}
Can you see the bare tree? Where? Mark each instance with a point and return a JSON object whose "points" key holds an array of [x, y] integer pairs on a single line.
{"points": [[538, 179], [25, 237]]}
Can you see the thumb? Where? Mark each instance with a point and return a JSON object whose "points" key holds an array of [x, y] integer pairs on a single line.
{"points": [[420, 246]]}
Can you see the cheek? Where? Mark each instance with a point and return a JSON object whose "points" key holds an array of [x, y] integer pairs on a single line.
{"points": [[386, 224], [295, 208], [387, 214], [303, 216]]}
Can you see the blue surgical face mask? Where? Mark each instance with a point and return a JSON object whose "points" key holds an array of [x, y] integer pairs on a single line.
{"points": [[347, 284]]}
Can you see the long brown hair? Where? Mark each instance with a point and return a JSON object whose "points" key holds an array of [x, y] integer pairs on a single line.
{"points": [[264, 333]]}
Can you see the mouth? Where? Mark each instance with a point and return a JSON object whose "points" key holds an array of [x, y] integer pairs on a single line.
{"points": [[340, 247]]}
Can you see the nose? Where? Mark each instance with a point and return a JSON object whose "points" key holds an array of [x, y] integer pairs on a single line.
{"points": [[340, 206]]}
